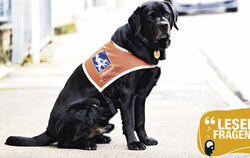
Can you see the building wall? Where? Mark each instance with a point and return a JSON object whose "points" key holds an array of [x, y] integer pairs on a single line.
{"points": [[31, 24], [33, 21], [4, 10], [64, 10], [45, 19]]}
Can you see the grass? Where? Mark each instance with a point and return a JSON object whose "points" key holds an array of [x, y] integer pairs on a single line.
{"points": [[65, 29]]}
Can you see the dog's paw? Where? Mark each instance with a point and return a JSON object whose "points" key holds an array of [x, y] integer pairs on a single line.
{"points": [[136, 146], [89, 146], [149, 141], [102, 139]]}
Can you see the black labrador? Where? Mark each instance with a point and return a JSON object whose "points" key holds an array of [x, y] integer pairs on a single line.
{"points": [[81, 113]]}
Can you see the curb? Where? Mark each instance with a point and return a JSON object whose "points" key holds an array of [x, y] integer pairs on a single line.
{"points": [[65, 28], [4, 72], [216, 82]]}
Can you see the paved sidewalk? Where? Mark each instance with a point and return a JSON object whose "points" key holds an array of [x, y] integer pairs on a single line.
{"points": [[173, 109]]}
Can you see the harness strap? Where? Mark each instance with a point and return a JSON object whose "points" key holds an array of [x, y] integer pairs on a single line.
{"points": [[110, 103]]}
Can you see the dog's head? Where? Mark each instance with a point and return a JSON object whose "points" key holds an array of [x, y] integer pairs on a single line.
{"points": [[154, 21]]}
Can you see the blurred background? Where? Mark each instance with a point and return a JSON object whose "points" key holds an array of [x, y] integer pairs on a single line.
{"points": [[219, 28], [43, 41]]}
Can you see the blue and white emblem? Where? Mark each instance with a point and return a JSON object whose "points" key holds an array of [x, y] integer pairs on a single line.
{"points": [[101, 61]]}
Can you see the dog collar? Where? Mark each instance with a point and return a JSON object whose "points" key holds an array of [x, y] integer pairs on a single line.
{"points": [[143, 39], [110, 63], [157, 53]]}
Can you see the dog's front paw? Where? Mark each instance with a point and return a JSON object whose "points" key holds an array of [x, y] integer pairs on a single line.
{"points": [[89, 146], [102, 139], [136, 146], [149, 141]]}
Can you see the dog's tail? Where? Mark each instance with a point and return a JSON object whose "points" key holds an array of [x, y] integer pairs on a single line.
{"points": [[40, 140]]}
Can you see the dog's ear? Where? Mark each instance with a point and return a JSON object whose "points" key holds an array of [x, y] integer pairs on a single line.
{"points": [[175, 14], [135, 21]]}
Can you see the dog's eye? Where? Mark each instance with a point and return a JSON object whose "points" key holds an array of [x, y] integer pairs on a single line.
{"points": [[166, 15], [151, 16]]}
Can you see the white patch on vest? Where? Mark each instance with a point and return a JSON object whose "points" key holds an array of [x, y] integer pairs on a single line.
{"points": [[118, 47]]}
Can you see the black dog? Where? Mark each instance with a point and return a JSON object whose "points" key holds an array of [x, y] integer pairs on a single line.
{"points": [[81, 113]]}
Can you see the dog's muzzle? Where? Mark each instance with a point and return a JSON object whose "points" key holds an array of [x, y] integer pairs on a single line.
{"points": [[165, 26], [163, 29]]}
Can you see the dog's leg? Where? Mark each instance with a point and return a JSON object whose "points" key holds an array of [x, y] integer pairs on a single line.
{"points": [[152, 78], [75, 127], [127, 113], [79, 144], [140, 122], [68, 136], [102, 139]]}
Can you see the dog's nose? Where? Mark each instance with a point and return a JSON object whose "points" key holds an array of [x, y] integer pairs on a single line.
{"points": [[164, 25]]}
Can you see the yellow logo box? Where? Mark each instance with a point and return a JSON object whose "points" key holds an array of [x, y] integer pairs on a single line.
{"points": [[224, 132]]}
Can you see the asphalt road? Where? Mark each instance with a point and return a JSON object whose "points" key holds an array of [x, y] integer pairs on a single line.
{"points": [[224, 37]]}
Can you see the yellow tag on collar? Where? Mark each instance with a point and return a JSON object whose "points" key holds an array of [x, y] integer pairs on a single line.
{"points": [[157, 54]]}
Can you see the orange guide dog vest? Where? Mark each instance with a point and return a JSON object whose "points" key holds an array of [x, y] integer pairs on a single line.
{"points": [[110, 63]]}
